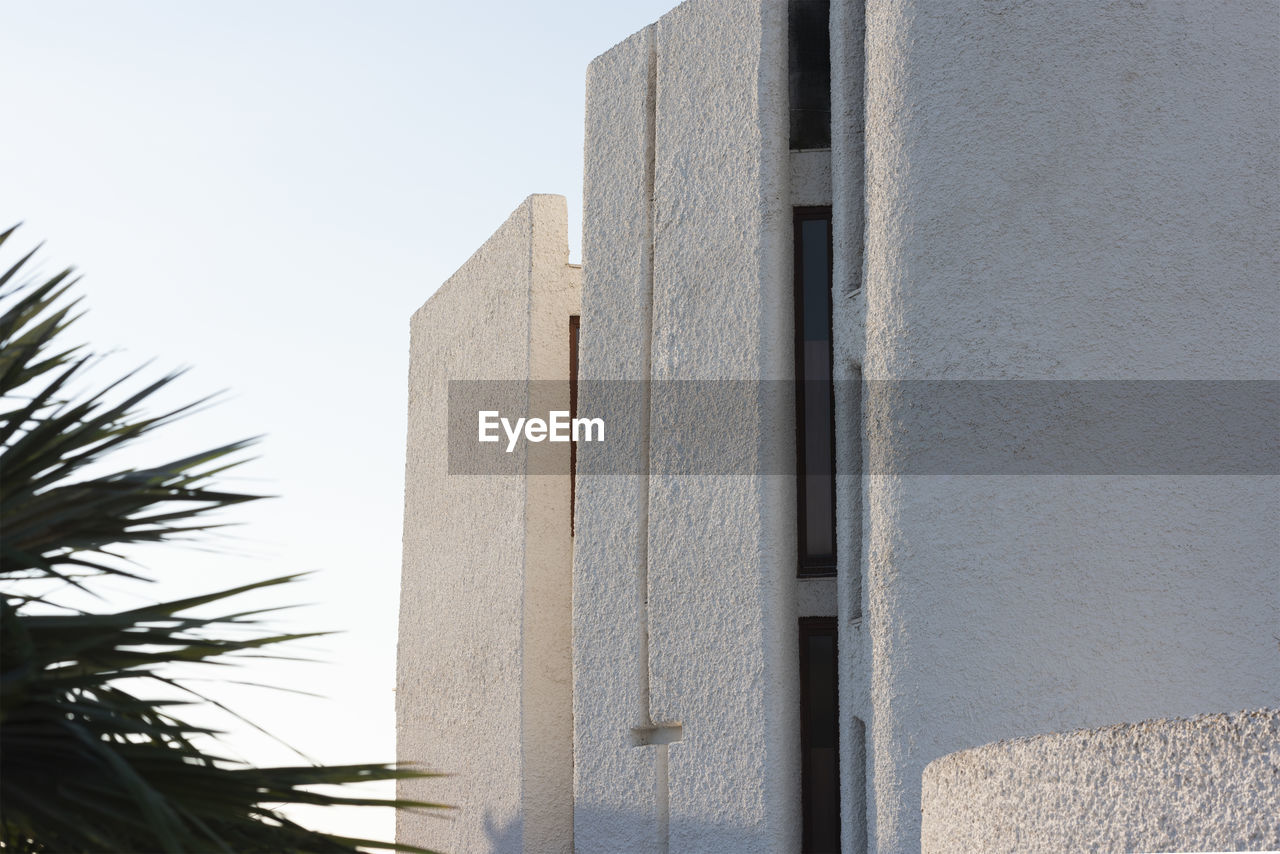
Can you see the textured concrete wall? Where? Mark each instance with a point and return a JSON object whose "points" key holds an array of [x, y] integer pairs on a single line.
{"points": [[848, 307], [684, 591], [483, 682], [616, 803], [1207, 784], [546, 623], [1064, 191], [721, 549], [1048, 191]]}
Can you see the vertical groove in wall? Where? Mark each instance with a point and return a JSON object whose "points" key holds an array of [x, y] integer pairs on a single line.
{"points": [[662, 786], [661, 782], [616, 754], [650, 167]]}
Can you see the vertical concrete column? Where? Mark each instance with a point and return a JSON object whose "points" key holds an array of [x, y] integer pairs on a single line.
{"points": [[721, 570], [547, 694], [483, 665], [1064, 192], [615, 785], [848, 301]]}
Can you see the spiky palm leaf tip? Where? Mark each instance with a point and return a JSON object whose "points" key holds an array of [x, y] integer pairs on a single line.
{"points": [[90, 761]]}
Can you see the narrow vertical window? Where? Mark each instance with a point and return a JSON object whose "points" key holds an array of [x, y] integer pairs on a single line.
{"points": [[809, 67], [819, 736], [815, 424], [575, 322]]}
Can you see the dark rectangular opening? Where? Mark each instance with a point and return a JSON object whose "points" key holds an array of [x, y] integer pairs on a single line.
{"points": [[809, 72], [819, 736], [575, 323], [815, 404]]}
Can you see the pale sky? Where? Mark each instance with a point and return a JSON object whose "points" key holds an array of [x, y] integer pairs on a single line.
{"points": [[265, 192]]}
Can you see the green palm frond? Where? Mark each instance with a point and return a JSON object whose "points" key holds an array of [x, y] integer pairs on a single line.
{"points": [[95, 754]]}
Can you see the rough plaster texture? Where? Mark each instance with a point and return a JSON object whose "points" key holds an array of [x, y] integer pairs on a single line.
{"points": [[1207, 784], [810, 183], [848, 306], [1019, 190], [484, 682], [686, 252], [616, 803], [721, 549], [1063, 191], [815, 597]]}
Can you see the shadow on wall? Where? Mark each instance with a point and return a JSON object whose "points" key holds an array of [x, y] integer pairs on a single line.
{"points": [[603, 830], [502, 839]]}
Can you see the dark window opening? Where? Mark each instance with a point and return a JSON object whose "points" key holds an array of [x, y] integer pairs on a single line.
{"points": [[815, 405], [819, 736], [575, 322], [809, 67]]}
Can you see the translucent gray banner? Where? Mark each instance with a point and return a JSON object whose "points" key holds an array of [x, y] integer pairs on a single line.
{"points": [[905, 427]]}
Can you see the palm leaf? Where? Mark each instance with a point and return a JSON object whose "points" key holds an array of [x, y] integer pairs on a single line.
{"points": [[91, 758]]}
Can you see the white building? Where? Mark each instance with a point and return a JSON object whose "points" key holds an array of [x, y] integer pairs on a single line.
{"points": [[1050, 193]]}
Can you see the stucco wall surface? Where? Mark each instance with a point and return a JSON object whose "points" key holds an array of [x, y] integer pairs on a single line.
{"points": [[616, 803], [1207, 784], [722, 632], [848, 304], [1071, 191], [684, 591], [546, 622], [483, 672]]}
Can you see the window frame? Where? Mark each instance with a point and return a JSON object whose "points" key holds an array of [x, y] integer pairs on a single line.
{"points": [[805, 566]]}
